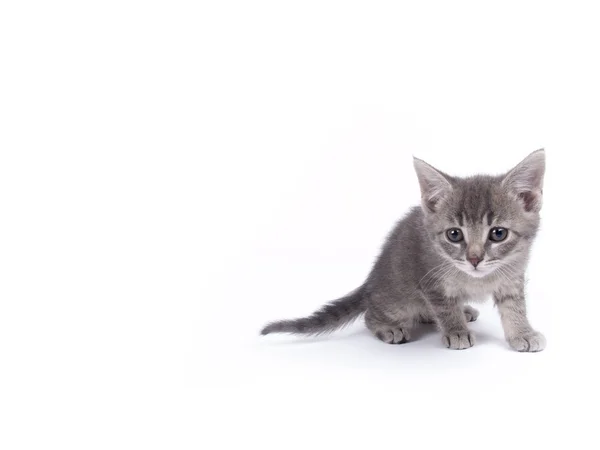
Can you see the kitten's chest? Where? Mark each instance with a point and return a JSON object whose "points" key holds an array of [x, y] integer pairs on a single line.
{"points": [[471, 289]]}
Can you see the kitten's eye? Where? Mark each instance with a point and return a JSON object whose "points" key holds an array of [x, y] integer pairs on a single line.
{"points": [[454, 235], [498, 234]]}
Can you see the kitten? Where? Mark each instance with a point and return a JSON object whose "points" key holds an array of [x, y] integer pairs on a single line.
{"points": [[470, 237]]}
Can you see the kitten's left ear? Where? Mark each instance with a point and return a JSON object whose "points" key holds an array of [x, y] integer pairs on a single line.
{"points": [[526, 180]]}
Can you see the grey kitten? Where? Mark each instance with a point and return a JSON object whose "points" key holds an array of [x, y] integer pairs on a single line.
{"points": [[471, 237]]}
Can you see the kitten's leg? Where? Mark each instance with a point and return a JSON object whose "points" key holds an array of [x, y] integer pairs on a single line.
{"points": [[471, 315], [450, 317], [388, 330], [517, 330]]}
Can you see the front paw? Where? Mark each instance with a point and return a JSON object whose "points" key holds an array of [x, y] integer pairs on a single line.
{"points": [[459, 341], [533, 341]]}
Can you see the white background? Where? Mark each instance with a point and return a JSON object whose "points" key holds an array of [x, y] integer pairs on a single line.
{"points": [[175, 174]]}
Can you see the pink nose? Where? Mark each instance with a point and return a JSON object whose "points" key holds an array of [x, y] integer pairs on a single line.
{"points": [[475, 260]]}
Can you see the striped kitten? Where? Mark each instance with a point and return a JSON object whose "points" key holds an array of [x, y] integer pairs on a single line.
{"points": [[469, 238]]}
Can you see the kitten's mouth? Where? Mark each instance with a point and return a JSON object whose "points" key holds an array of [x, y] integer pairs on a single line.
{"points": [[476, 272]]}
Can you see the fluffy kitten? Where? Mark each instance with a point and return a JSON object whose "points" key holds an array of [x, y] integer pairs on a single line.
{"points": [[470, 237]]}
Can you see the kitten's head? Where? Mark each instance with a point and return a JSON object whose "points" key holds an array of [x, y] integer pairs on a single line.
{"points": [[484, 222]]}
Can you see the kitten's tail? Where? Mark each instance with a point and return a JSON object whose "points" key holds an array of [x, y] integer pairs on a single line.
{"points": [[330, 317]]}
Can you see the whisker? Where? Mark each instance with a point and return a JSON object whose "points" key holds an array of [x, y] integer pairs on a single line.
{"points": [[433, 273], [436, 267], [443, 276]]}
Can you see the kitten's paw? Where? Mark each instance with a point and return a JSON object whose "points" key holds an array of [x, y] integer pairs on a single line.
{"points": [[471, 314], [459, 341], [393, 335], [534, 341]]}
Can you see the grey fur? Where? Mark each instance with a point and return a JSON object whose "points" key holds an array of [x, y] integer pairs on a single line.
{"points": [[421, 276], [330, 317]]}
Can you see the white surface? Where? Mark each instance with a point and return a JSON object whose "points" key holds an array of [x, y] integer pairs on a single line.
{"points": [[175, 174]]}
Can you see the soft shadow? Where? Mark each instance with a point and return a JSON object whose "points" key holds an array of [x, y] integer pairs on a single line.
{"points": [[422, 330], [362, 336], [417, 333], [300, 339], [485, 338]]}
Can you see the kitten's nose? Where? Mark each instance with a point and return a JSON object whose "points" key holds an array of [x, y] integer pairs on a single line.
{"points": [[475, 260]]}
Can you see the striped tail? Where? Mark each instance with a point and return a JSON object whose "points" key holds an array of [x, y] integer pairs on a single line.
{"points": [[330, 317]]}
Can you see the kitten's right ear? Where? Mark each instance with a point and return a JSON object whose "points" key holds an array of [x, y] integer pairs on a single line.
{"points": [[526, 181], [434, 184]]}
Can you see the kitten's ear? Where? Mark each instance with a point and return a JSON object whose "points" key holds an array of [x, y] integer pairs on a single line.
{"points": [[526, 181], [434, 184]]}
